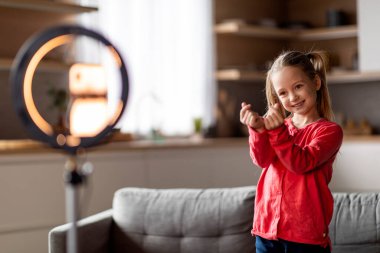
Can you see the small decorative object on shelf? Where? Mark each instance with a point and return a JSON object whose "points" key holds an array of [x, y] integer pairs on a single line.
{"points": [[198, 129], [335, 18], [357, 128]]}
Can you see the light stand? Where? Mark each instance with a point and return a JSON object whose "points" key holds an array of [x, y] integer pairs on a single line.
{"points": [[21, 78], [73, 180]]}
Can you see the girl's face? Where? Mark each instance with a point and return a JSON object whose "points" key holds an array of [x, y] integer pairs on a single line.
{"points": [[296, 92]]}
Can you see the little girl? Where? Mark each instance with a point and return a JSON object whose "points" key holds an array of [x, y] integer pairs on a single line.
{"points": [[294, 205]]}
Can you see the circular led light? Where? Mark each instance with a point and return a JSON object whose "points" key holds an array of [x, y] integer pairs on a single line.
{"points": [[21, 77]]}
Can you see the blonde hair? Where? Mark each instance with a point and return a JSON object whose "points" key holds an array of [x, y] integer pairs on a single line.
{"points": [[313, 64]]}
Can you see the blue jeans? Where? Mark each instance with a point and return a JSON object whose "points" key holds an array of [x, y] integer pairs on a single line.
{"points": [[282, 246]]}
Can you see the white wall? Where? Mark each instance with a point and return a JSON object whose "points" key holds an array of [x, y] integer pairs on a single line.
{"points": [[32, 188]]}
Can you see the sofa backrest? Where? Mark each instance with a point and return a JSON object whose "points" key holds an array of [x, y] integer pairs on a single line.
{"points": [[355, 226], [183, 220], [219, 220]]}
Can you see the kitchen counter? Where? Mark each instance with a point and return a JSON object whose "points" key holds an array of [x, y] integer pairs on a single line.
{"points": [[31, 146]]}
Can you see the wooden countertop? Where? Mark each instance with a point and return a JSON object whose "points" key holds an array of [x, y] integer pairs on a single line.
{"points": [[31, 146]]}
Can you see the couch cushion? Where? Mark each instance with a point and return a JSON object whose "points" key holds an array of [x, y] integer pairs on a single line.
{"points": [[355, 222], [183, 220]]}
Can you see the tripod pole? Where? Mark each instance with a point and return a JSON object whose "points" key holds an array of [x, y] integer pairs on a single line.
{"points": [[73, 180]]}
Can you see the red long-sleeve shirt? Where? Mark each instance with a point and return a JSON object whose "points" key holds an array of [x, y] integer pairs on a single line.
{"points": [[293, 201]]}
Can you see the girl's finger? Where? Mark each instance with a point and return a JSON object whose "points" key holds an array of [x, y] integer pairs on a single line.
{"points": [[279, 110], [276, 113], [275, 110], [245, 116], [273, 121], [268, 122], [243, 113], [252, 119], [276, 117], [244, 109], [258, 122], [249, 119]]}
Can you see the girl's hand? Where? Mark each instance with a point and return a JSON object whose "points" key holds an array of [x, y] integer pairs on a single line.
{"points": [[274, 117], [251, 118]]}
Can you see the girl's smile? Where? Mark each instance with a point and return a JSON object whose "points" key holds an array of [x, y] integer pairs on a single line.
{"points": [[298, 104]]}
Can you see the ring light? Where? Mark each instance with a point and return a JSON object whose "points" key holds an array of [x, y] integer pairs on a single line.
{"points": [[22, 73], [88, 93]]}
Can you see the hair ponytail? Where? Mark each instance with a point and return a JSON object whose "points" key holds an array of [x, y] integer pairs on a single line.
{"points": [[320, 62]]}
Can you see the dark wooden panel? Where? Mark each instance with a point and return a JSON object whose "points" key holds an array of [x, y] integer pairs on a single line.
{"points": [[315, 11], [249, 10], [246, 51], [18, 25]]}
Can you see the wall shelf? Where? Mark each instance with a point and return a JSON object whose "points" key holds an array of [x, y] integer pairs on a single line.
{"points": [[332, 78], [353, 77], [328, 33], [239, 28], [240, 75], [5, 64], [49, 6]]}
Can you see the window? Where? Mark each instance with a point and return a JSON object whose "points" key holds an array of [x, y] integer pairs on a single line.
{"points": [[168, 47]]}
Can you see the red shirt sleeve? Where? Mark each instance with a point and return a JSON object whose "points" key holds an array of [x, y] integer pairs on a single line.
{"points": [[322, 145], [261, 151]]}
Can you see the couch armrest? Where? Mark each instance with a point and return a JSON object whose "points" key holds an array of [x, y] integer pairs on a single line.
{"points": [[93, 234]]}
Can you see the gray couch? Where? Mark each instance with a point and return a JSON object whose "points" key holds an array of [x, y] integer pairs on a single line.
{"points": [[207, 221]]}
